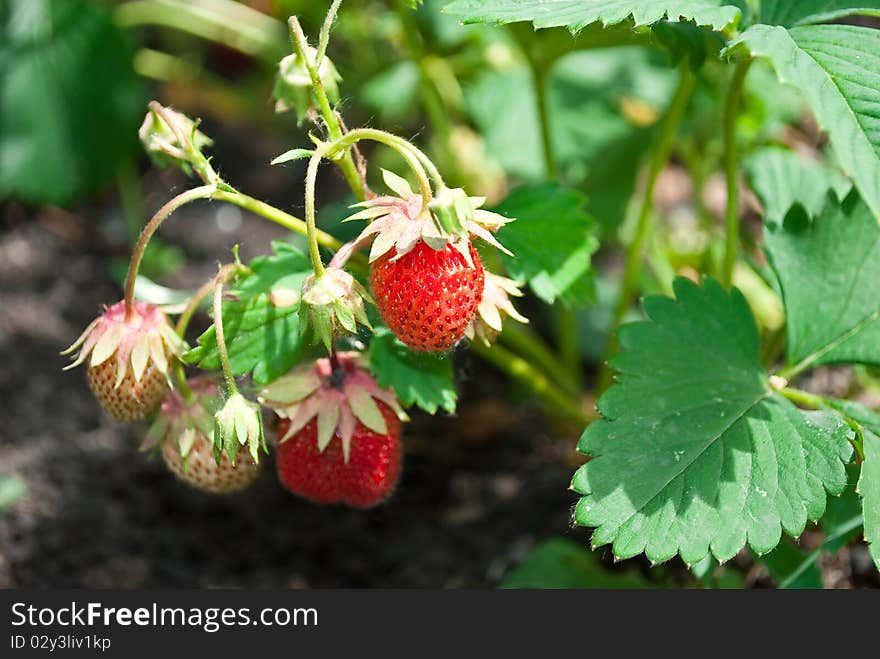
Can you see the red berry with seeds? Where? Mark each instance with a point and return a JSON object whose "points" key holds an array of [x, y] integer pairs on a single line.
{"points": [[339, 432], [365, 480], [428, 297]]}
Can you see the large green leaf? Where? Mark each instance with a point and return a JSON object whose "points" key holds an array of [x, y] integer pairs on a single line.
{"points": [[803, 12], [552, 241], [694, 452], [577, 14], [561, 563], [70, 102], [418, 378], [781, 178], [261, 319], [828, 270], [869, 481], [869, 490], [837, 67]]}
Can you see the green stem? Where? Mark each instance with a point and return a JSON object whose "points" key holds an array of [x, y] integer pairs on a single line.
{"points": [[221, 339], [632, 269], [804, 398], [198, 297], [566, 338], [182, 385], [229, 23], [277, 216], [202, 192], [334, 128], [418, 162], [539, 81], [731, 172], [324, 38], [311, 177], [530, 346], [523, 371]]}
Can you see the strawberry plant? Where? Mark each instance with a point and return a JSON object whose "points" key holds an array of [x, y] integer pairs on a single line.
{"points": [[704, 434]]}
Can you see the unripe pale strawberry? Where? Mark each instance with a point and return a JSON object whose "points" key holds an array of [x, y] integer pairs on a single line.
{"points": [[185, 430], [127, 356]]}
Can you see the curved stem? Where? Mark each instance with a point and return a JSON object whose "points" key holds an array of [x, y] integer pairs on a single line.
{"points": [[530, 346], [731, 172], [539, 80], [804, 398], [202, 192], [632, 270], [411, 154], [311, 177], [221, 339]]}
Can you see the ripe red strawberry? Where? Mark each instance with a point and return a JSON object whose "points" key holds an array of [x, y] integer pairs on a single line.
{"points": [[428, 297], [128, 352], [339, 432], [185, 428], [426, 276], [366, 480]]}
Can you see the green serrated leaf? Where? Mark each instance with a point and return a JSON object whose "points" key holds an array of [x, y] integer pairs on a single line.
{"points": [[837, 67], [560, 563], [293, 154], [577, 14], [694, 454], [804, 12], [781, 178], [552, 241], [828, 270], [869, 491], [417, 378], [262, 339], [70, 102]]}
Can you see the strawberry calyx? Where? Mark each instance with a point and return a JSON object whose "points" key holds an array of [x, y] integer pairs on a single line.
{"points": [[293, 84], [184, 420], [136, 341], [402, 221], [494, 306], [333, 304], [340, 395]]}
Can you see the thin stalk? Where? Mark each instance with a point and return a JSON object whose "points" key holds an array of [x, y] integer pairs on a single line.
{"points": [[530, 346], [311, 177], [418, 162], [731, 172], [519, 368], [566, 339], [131, 197], [202, 192], [324, 37], [539, 81], [199, 296], [221, 339], [277, 216], [804, 398], [232, 24], [633, 267], [334, 129]]}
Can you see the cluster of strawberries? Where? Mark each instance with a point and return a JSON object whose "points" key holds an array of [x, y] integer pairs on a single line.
{"points": [[338, 432]]}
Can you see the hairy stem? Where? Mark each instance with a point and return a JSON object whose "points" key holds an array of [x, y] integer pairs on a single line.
{"points": [[633, 267], [324, 38], [731, 172], [221, 339], [334, 128], [199, 296], [202, 192]]}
